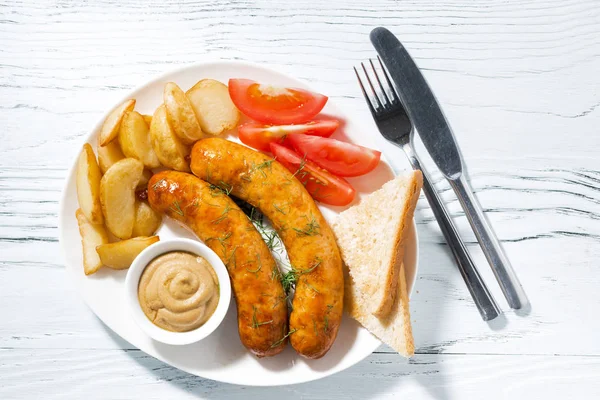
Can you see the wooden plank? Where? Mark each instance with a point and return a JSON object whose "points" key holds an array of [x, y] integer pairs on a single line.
{"points": [[547, 220], [112, 374]]}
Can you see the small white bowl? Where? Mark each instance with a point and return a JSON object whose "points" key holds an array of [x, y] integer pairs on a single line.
{"points": [[133, 278]]}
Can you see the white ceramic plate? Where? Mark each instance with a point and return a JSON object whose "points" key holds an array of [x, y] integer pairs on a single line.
{"points": [[221, 356]]}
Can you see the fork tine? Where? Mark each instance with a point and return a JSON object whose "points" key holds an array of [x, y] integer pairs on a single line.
{"points": [[387, 78], [371, 85], [362, 87], [385, 96]]}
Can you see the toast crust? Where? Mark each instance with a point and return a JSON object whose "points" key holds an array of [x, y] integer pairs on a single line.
{"points": [[393, 276]]}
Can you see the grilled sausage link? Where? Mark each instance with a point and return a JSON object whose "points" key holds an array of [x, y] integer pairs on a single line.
{"points": [[219, 222], [263, 182]]}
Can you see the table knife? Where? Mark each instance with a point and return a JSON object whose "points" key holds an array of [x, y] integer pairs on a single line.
{"points": [[436, 134]]}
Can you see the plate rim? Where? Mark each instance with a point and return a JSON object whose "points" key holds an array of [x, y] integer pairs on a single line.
{"points": [[87, 138]]}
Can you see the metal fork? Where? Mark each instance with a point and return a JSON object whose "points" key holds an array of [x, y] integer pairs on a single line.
{"points": [[394, 124]]}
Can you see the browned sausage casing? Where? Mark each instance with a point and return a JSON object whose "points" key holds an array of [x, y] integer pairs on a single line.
{"points": [[219, 222], [254, 177]]}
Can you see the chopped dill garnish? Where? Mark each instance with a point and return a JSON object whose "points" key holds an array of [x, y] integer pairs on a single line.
{"points": [[176, 208], [223, 215], [326, 318], [301, 167], [260, 167], [231, 258], [289, 279], [312, 287], [312, 228], [157, 184], [257, 268], [275, 206], [277, 343], [255, 323], [221, 239], [220, 189], [194, 203]]}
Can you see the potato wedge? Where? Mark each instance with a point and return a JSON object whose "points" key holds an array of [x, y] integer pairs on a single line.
{"points": [[112, 123], [117, 194], [147, 220], [121, 254], [148, 119], [168, 147], [134, 139], [181, 115], [88, 185], [92, 235], [214, 109], [109, 154], [143, 183]]}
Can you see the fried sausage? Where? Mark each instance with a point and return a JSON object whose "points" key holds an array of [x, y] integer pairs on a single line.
{"points": [[263, 182], [219, 222]]}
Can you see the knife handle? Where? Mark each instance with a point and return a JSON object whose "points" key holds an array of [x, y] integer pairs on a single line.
{"points": [[486, 305], [505, 275]]}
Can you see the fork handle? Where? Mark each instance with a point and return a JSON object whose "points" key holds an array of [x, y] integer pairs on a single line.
{"points": [[505, 275], [486, 305]]}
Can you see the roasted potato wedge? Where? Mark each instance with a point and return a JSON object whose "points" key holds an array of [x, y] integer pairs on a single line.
{"points": [[214, 109], [92, 235], [168, 147], [88, 185], [112, 123], [134, 138], [143, 183], [117, 195], [181, 115], [148, 119], [120, 255], [109, 154], [147, 220]]}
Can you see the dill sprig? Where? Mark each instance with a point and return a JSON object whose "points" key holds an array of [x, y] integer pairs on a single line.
{"points": [[301, 168], [275, 206], [176, 208], [257, 268], [157, 184], [260, 167], [277, 343], [220, 189], [231, 258], [255, 323], [290, 278], [326, 318], [312, 228], [223, 215], [220, 239]]}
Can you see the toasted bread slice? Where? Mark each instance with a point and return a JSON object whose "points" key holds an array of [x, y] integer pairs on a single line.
{"points": [[371, 239]]}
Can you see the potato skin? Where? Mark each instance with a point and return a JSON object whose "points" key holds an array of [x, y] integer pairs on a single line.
{"points": [[219, 222], [256, 178]]}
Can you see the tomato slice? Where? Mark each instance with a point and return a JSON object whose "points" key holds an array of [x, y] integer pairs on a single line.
{"points": [[273, 104], [259, 136], [337, 157], [321, 185]]}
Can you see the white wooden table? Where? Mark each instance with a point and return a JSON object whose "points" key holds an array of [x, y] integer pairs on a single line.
{"points": [[520, 83]]}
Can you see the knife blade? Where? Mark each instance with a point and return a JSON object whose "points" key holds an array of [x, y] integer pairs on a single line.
{"points": [[437, 136]]}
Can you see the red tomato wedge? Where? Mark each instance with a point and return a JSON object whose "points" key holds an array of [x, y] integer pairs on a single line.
{"points": [[275, 105], [321, 185], [339, 158], [259, 136]]}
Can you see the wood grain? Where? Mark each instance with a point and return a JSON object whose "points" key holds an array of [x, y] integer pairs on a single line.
{"points": [[518, 80], [112, 374]]}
